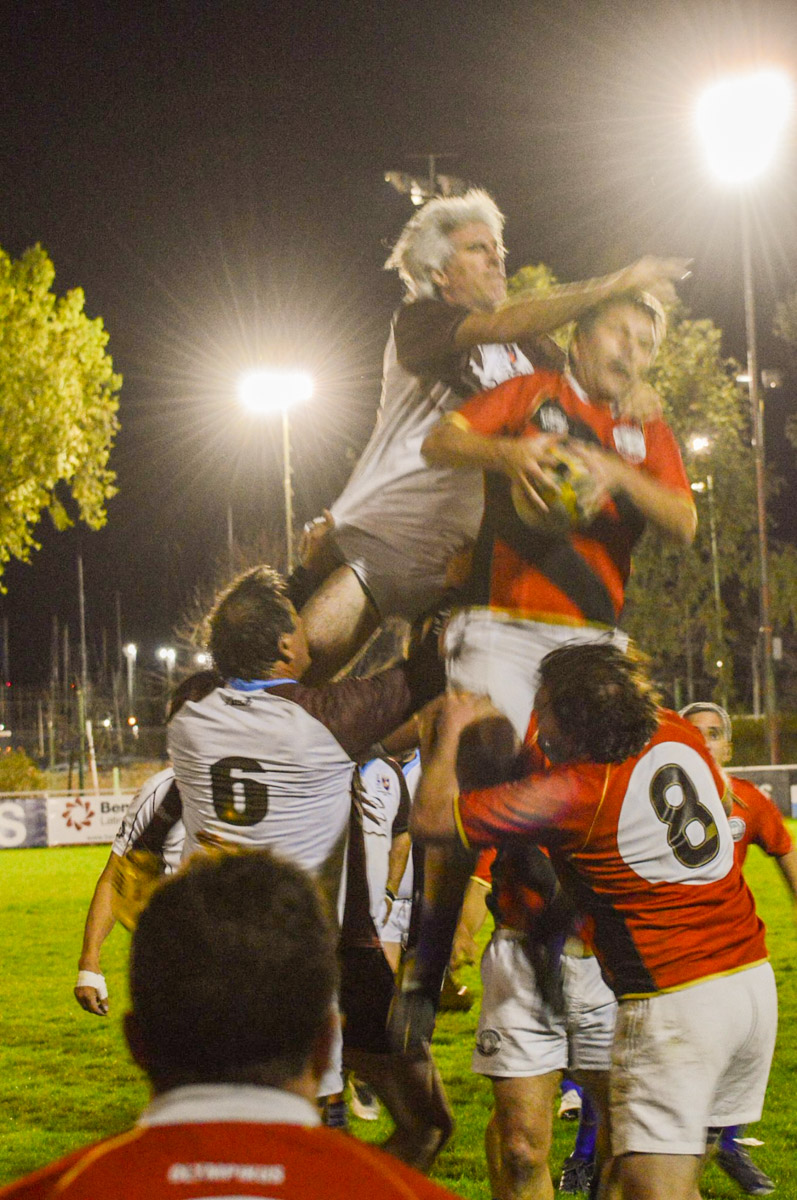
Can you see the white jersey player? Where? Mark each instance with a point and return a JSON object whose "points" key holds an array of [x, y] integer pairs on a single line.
{"points": [[264, 760], [159, 790], [384, 801], [153, 822]]}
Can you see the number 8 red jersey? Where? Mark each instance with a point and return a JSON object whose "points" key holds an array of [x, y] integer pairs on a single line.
{"points": [[646, 851]]}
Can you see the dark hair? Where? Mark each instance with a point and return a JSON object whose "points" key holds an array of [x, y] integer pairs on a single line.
{"points": [[233, 971], [247, 622], [602, 699]]}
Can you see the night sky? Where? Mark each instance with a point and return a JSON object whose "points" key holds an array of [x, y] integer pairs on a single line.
{"points": [[212, 176]]}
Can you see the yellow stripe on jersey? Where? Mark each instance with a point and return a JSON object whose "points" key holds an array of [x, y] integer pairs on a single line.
{"points": [[680, 987], [457, 419], [459, 825]]}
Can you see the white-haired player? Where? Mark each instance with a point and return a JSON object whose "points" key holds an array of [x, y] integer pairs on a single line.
{"points": [[388, 544]]}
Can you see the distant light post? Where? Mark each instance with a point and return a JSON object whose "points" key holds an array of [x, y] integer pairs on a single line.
{"points": [[265, 391], [700, 444], [202, 659], [130, 652], [741, 120], [168, 656]]}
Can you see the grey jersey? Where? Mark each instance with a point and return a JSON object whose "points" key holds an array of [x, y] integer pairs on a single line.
{"points": [[147, 801], [398, 514], [256, 769]]}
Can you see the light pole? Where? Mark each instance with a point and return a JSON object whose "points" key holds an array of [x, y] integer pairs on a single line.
{"points": [[168, 656], [741, 119], [130, 652], [264, 391], [699, 445]]}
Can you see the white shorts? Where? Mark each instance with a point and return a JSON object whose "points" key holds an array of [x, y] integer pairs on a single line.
{"points": [[687, 1060], [519, 1036], [493, 654], [397, 926]]}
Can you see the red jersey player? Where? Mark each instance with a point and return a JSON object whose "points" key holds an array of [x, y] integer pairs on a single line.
{"points": [[631, 812], [233, 978], [753, 819]]}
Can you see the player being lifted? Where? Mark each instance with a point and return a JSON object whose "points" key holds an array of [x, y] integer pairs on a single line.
{"points": [[391, 536]]}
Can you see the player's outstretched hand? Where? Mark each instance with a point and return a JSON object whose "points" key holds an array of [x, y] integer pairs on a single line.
{"points": [[657, 275], [91, 992]]}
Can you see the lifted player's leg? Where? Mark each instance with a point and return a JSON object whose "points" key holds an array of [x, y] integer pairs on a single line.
{"points": [[338, 620]]}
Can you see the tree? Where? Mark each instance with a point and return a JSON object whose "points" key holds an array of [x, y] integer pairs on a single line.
{"points": [[58, 403], [785, 328]]}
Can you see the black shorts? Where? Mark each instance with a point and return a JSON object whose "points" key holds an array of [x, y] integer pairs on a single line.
{"points": [[366, 990]]}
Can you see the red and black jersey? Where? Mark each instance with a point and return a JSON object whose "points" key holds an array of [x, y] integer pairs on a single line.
{"points": [[278, 1162], [644, 848], [754, 818], [579, 577]]}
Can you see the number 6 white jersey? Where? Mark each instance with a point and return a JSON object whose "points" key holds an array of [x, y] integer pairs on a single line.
{"points": [[271, 764]]}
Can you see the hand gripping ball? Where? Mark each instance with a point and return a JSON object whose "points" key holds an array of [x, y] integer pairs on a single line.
{"points": [[570, 495]]}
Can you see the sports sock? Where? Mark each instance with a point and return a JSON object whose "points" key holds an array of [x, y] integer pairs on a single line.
{"points": [[587, 1130]]}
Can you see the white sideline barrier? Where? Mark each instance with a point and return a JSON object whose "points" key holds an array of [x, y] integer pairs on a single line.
{"points": [[779, 783], [60, 818]]}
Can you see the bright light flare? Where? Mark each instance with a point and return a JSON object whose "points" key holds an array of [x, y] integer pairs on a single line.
{"points": [[741, 119], [699, 443], [273, 390]]}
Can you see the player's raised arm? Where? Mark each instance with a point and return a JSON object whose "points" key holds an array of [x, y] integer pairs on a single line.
{"points": [[454, 443], [531, 315]]}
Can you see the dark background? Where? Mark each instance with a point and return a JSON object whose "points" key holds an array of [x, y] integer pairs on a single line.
{"points": [[212, 176]]}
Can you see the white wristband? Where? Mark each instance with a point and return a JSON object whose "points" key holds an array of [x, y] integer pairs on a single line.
{"points": [[93, 980]]}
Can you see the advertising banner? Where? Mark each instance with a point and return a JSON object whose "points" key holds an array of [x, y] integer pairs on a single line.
{"points": [[23, 821], [74, 818]]}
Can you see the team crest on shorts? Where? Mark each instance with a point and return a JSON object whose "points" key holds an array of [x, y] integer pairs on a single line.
{"points": [[738, 828], [488, 1042], [629, 441]]}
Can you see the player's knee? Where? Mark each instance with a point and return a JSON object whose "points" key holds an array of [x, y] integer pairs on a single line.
{"points": [[524, 1149]]}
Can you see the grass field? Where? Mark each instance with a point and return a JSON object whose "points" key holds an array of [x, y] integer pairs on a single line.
{"points": [[65, 1078]]}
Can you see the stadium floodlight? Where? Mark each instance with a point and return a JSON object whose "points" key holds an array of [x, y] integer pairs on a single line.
{"points": [[269, 390], [741, 120]]}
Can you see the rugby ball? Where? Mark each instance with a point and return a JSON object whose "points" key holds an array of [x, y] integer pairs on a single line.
{"points": [[570, 496]]}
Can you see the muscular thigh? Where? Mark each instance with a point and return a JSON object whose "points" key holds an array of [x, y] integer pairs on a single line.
{"points": [[338, 619]]}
